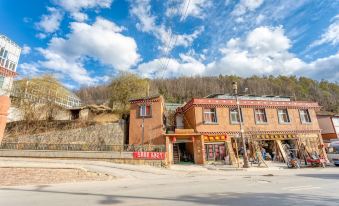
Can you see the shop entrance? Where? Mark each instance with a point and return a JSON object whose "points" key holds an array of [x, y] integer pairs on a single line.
{"points": [[271, 151], [183, 152], [215, 151]]}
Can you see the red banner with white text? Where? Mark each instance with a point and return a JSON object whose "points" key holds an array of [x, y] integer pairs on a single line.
{"points": [[149, 155]]}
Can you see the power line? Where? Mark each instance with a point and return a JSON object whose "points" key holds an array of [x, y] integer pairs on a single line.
{"points": [[183, 16]]}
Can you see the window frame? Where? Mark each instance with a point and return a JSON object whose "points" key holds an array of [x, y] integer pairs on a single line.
{"points": [[241, 117], [139, 115], [288, 116], [308, 114], [215, 115], [255, 116]]}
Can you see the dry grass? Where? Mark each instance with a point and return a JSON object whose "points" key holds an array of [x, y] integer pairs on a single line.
{"points": [[35, 176], [106, 117]]}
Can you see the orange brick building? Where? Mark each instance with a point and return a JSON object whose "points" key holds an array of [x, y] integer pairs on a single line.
{"points": [[147, 112], [211, 126]]}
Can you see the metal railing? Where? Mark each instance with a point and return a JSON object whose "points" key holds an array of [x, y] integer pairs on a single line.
{"points": [[83, 147]]}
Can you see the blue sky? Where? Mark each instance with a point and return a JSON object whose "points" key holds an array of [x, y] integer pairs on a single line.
{"points": [[86, 42]]}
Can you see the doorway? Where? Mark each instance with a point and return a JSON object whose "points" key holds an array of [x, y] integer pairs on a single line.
{"points": [[183, 152]]}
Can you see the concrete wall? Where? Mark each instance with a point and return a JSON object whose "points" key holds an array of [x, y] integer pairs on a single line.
{"points": [[153, 125], [116, 157], [4, 106], [111, 133], [15, 114], [6, 86]]}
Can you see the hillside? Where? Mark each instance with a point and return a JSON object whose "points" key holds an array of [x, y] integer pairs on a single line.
{"points": [[181, 89]]}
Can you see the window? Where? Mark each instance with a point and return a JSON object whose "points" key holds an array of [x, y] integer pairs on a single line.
{"points": [[235, 118], [210, 115], [260, 116], [283, 116], [304, 116], [2, 50], [7, 63], [2, 79], [2, 61], [145, 110], [5, 54]]}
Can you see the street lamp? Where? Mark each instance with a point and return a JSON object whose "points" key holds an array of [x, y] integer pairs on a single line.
{"points": [[235, 92]]}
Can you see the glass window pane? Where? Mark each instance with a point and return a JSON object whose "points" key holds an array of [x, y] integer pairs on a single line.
{"points": [[283, 116], [304, 116], [210, 115], [235, 118]]}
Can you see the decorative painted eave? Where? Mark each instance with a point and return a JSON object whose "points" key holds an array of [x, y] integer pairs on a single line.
{"points": [[155, 98], [7, 73], [206, 102], [262, 132]]}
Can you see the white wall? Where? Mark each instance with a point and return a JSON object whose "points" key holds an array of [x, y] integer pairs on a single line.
{"points": [[14, 114], [6, 87]]}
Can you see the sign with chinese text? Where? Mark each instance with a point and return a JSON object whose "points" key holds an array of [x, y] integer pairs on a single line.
{"points": [[149, 155]]}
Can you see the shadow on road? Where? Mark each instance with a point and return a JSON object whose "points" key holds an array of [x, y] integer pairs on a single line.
{"points": [[321, 176], [232, 198]]}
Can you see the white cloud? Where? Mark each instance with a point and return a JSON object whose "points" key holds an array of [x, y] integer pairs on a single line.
{"points": [[195, 8], [268, 41], [147, 23], [331, 35], [25, 50], [76, 7], [41, 35], [246, 5], [259, 19], [102, 41], [263, 51], [28, 69], [70, 68], [51, 22], [168, 67], [323, 68]]}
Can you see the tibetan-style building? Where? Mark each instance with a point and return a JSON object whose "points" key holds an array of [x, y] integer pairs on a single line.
{"points": [[208, 129]]}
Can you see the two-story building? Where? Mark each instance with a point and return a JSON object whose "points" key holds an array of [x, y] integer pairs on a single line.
{"points": [[210, 127]]}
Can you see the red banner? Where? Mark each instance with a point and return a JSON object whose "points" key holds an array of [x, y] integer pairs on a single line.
{"points": [[149, 155]]}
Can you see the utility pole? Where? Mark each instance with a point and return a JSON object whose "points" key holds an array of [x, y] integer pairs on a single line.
{"points": [[143, 117], [235, 91]]}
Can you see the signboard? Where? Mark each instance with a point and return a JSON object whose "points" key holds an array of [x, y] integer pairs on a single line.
{"points": [[215, 138], [149, 155]]}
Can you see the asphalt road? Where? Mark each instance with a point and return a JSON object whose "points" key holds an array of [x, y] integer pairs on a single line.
{"points": [[186, 187]]}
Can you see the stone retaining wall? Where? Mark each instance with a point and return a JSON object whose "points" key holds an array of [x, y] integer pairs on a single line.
{"points": [[109, 134]]}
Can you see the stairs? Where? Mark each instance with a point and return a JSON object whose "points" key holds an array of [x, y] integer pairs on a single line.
{"points": [[176, 155], [282, 150]]}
